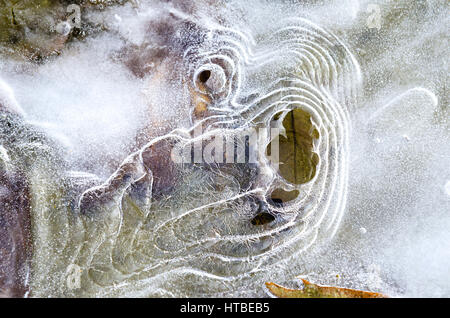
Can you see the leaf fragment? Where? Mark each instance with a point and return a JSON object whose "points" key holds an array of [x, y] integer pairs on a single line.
{"points": [[297, 158], [311, 290]]}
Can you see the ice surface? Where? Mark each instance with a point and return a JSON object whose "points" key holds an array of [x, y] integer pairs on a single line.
{"points": [[113, 215]]}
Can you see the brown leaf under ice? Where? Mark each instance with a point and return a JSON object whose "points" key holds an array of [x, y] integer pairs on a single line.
{"points": [[311, 290]]}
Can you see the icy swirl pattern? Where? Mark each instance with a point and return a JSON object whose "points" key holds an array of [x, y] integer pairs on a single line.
{"points": [[199, 238]]}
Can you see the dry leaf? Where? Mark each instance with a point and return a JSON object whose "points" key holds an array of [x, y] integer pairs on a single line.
{"points": [[298, 160], [311, 290]]}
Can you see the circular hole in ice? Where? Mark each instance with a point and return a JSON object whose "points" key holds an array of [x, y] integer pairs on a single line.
{"points": [[204, 76], [262, 218]]}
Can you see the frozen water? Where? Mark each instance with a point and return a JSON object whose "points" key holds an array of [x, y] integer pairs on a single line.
{"points": [[109, 202]]}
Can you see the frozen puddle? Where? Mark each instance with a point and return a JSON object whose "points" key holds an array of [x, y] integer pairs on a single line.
{"points": [[203, 151]]}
